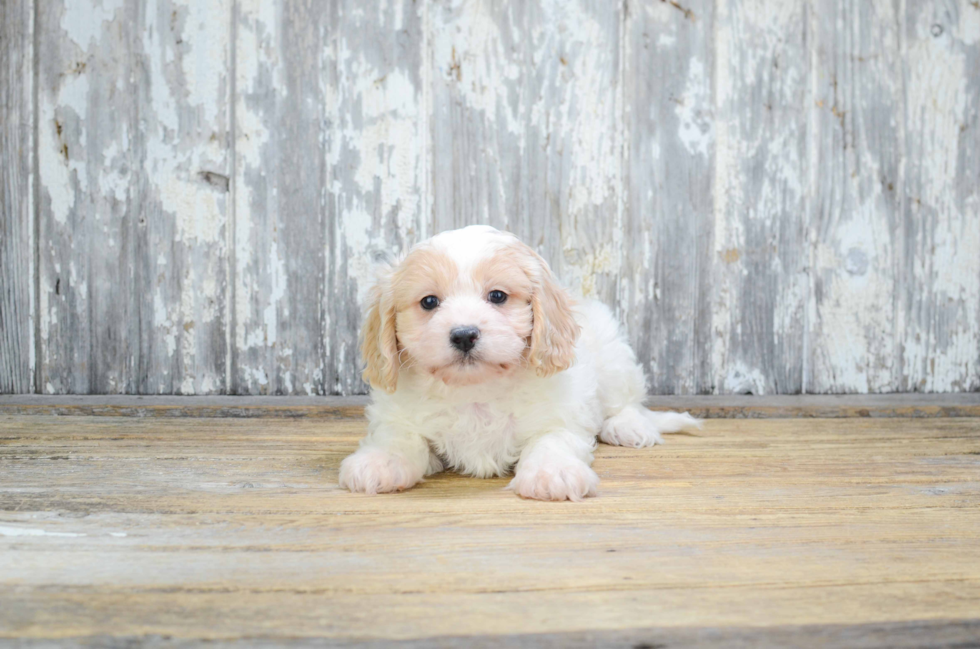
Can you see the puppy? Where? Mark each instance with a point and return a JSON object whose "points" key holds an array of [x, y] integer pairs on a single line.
{"points": [[480, 362]]}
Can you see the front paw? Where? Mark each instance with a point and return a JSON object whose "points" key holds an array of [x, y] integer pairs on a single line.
{"points": [[574, 480], [376, 471]]}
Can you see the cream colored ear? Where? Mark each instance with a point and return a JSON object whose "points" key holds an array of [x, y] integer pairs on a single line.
{"points": [[379, 343], [554, 330]]}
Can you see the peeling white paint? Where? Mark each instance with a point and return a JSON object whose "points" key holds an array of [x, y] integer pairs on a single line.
{"points": [[533, 94], [470, 53], [163, 323], [743, 379], [941, 353], [83, 22], [206, 64], [387, 140], [854, 325], [694, 111], [277, 291], [60, 172]]}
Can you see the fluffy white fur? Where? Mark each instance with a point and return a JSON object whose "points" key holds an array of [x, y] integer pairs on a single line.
{"points": [[545, 378]]}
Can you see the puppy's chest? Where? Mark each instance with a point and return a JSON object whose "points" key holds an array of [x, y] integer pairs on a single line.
{"points": [[477, 438]]}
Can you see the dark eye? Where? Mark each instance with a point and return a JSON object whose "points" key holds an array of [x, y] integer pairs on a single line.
{"points": [[497, 297], [430, 302]]}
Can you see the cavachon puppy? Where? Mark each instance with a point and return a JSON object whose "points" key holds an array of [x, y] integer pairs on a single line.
{"points": [[481, 363]]}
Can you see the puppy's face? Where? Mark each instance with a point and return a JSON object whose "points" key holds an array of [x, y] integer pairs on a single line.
{"points": [[467, 306]]}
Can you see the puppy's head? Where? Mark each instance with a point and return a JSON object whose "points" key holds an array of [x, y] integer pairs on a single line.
{"points": [[466, 306]]}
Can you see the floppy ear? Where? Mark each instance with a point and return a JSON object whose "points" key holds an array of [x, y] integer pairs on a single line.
{"points": [[379, 344], [554, 329]]}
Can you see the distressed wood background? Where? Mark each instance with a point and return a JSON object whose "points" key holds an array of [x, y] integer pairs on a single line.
{"points": [[777, 196]]}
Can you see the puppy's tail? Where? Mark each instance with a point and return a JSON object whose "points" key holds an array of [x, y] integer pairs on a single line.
{"points": [[674, 422]]}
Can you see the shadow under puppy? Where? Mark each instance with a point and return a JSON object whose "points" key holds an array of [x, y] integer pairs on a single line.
{"points": [[479, 361]]}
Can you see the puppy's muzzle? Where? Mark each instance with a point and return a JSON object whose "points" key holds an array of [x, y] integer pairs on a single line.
{"points": [[464, 338]]}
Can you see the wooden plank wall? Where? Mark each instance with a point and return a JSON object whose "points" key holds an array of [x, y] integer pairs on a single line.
{"points": [[17, 263], [776, 197]]}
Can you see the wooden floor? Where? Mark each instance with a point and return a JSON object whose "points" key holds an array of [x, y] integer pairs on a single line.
{"points": [[760, 532]]}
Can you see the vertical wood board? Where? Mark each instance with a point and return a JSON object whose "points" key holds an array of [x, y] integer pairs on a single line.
{"points": [[132, 154], [17, 271]]}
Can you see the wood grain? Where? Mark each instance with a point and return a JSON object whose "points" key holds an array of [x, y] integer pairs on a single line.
{"points": [[859, 241], [235, 529], [17, 270], [940, 283], [282, 103], [133, 177], [756, 272], [774, 198], [89, 319], [526, 129], [665, 282], [329, 183], [895, 113], [379, 159]]}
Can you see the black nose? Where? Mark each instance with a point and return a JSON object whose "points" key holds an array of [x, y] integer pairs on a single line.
{"points": [[464, 338]]}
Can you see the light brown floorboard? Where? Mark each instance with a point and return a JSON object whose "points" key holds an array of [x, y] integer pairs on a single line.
{"points": [[234, 529]]}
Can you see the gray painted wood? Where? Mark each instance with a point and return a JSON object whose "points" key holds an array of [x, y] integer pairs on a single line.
{"points": [[940, 286], [526, 129], [775, 198], [133, 159], [283, 85], [378, 156], [757, 269], [896, 218], [858, 238], [16, 198], [329, 182], [88, 134], [666, 276]]}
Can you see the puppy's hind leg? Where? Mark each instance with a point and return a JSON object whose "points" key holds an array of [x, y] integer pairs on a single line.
{"points": [[622, 388], [635, 426]]}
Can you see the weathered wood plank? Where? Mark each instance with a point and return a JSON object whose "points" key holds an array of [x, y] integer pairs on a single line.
{"points": [[888, 635], [133, 177], [667, 242], [284, 87], [939, 283], [378, 153], [235, 529], [710, 407], [330, 175], [478, 111], [757, 268], [17, 270], [574, 121], [182, 251], [88, 134], [856, 221], [526, 127], [89, 321]]}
